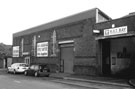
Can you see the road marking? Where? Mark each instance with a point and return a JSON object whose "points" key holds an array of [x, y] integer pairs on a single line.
{"points": [[17, 81]]}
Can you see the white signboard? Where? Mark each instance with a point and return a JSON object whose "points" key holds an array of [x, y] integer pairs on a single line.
{"points": [[16, 51], [42, 49], [115, 31]]}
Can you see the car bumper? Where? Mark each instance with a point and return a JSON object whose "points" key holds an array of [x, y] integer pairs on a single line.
{"points": [[20, 70]]}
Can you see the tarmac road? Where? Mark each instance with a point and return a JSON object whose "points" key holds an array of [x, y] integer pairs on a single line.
{"points": [[11, 81], [19, 81]]}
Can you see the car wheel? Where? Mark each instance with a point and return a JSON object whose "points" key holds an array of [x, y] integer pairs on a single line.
{"points": [[36, 74], [25, 73]]}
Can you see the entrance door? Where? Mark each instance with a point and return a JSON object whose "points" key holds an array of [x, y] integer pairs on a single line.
{"points": [[27, 60], [106, 65], [67, 58]]}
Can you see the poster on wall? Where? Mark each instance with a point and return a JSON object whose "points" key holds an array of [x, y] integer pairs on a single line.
{"points": [[16, 51], [42, 49]]}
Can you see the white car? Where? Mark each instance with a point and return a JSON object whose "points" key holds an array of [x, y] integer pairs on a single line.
{"points": [[17, 68]]}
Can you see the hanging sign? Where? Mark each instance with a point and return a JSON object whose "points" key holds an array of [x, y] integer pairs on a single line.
{"points": [[115, 31], [42, 49], [16, 51]]}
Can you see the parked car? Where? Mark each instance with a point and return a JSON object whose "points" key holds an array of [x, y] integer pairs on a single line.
{"points": [[17, 68], [38, 70]]}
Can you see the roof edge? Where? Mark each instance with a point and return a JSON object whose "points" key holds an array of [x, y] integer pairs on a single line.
{"points": [[62, 21]]}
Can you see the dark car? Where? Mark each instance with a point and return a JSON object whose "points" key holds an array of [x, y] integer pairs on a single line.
{"points": [[38, 70]]}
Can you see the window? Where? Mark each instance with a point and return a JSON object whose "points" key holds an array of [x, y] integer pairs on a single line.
{"points": [[24, 65]]}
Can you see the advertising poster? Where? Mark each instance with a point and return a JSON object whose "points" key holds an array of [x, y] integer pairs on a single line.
{"points": [[16, 51], [42, 49]]}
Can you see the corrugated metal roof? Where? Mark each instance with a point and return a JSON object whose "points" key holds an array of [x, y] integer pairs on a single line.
{"points": [[73, 18]]}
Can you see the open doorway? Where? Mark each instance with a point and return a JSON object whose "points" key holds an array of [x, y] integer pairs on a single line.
{"points": [[106, 62], [117, 57]]}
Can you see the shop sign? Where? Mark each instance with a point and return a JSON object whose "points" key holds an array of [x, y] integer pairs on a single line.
{"points": [[25, 53], [16, 51], [115, 31], [42, 49]]}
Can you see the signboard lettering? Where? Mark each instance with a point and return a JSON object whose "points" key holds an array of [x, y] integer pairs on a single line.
{"points": [[115, 31]]}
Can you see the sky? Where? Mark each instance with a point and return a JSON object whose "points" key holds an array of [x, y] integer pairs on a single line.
{"points": [[19, 15]]}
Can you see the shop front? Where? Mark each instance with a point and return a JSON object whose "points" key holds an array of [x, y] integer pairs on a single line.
{"points": [[117, 55], [116, 43]]}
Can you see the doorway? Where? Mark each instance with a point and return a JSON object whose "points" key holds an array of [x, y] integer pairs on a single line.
{"points": [[67, 58], [106, 62], [27, 60]]}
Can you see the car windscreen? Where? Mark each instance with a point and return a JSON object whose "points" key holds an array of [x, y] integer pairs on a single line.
{"points": [[24, 65]]}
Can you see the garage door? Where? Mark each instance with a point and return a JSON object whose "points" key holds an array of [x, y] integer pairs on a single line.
{"points": [[67, 56]]}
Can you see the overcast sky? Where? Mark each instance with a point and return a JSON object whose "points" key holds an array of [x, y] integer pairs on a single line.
{"points": [[18, 15]]}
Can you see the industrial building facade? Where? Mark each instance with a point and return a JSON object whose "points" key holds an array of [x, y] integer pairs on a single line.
{"points": [[116, 46], [67, 45]]}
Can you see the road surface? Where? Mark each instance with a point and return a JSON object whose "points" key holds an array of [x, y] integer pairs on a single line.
{"points": [[19, 81]]}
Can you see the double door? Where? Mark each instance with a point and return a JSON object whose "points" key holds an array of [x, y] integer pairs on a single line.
{"points": [[27, 60]]}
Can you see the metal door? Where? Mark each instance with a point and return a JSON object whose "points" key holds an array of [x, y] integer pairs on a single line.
{"points": [[67, 58]]}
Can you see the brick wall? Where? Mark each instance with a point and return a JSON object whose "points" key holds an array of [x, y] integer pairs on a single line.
{"points": [[85, 45], [85, 50], [127, 21]]}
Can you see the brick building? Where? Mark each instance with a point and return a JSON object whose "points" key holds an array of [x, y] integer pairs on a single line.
{"points": [[67, 45], [116, 46]]}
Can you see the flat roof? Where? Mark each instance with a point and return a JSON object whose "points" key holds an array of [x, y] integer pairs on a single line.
{"points": [[73, 18]]}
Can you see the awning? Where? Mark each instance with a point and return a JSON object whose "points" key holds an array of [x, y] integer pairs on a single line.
{"points": [[114, 36]]}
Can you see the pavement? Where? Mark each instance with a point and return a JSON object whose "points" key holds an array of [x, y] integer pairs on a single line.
{"points": [[93, 79]]}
